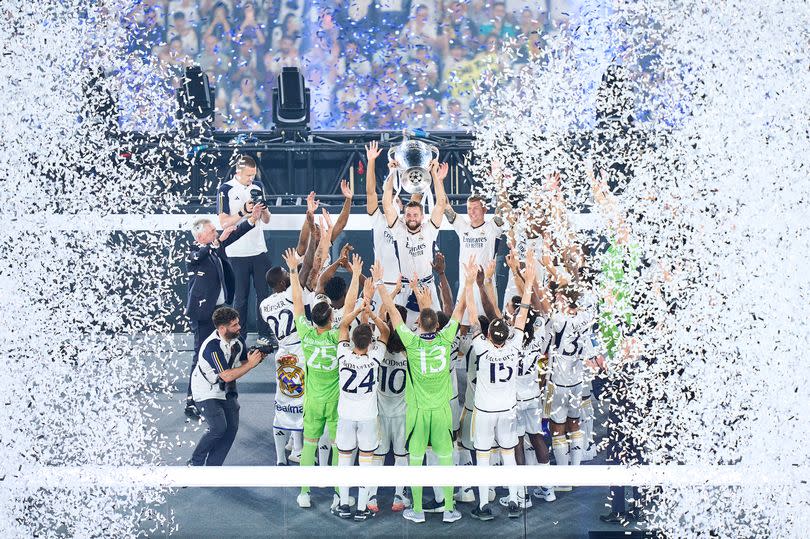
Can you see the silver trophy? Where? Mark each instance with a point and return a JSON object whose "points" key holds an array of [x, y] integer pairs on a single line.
{"points": [[413, 159]]}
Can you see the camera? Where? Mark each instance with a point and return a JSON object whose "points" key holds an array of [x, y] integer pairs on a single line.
{"points": [[264, 345], [257, 197]]}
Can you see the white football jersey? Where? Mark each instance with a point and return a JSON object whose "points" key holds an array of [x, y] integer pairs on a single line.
{"points": [[496, 385], [277, 311], [384, 250], [528, 386], [358, 378], [569, 344], [453, 365], [481, 241], [391, 384], [415, 250]]}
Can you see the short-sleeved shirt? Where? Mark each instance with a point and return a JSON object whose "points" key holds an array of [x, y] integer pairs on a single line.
{"points": [[391, 386], [216, 355], [384, 250], [358, 381], [428, 383], [479, 241], [496, 384], [277, 311], [321, 364], [528, 385], [471, 367], [415, 249], [569, 345], [231, 197]]}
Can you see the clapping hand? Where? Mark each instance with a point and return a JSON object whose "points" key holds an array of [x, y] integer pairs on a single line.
{"points": [[227, 232]]}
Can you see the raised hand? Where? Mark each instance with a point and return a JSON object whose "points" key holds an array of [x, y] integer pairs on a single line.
{"points": [[368, 290], [439, 265], [357, 264], [312, 204], [489, 270], [470, 271], [345, 189], [531, 267], [441, 171], [480, 277], [376, 271], [326, 223], [373, 150], [291, 258], [227, 231], [343, 259]]}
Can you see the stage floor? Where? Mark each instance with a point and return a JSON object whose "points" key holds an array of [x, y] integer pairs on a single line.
{"points": [[266, 512]]}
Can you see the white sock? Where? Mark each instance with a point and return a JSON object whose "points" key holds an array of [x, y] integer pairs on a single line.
{"points": [[576, 447], [378, 460], [344, 460], [587, 424], [456, 454], [508, 456], [464, 459], [495, 458], [400, 460], [433, 460], [529, 456], [559, 445], [324, 444], [362, 494], [482, 457], [280, 440], [545, 464], [298, 441]]}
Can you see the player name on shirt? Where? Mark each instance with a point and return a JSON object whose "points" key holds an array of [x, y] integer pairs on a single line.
{"points": [[277, 311]]}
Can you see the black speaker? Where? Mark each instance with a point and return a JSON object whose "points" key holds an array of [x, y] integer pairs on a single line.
{"points": [[196, 96], [291, 100]]}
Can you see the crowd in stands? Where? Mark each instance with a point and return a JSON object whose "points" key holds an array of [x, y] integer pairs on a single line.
{"points": [[369, 65]]}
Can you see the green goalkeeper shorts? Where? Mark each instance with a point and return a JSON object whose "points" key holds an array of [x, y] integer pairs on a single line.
{"points": [[425, 428], [317, 415]]}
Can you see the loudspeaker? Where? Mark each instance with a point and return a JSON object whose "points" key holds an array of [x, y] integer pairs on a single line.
{"points": [[291, 99]]}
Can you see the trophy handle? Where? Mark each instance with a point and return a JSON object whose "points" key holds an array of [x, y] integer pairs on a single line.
{"points": [[391, 152], [435, 151]]}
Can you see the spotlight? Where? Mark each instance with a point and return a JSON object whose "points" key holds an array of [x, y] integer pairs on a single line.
{"points": [[291, 101], [196, 96]]}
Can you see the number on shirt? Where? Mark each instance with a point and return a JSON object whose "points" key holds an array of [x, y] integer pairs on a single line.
{"points": [[368, 381], [440, 351], [326, 353], [281, 328], [500, 376], [390, 383]]}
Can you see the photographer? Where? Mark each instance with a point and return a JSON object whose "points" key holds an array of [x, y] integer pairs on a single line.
{"points": [[223, 359], [211, 282], [236, 200]]}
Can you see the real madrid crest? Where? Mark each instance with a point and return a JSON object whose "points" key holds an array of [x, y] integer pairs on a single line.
{"points": [[290, 376]]}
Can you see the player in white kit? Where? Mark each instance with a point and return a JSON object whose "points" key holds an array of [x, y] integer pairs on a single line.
{"points": [[494, 417], [357, 426], [569, 346], [414, 240], [476, 237]]}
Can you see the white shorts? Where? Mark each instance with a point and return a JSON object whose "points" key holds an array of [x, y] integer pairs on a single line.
{"points": [[392, 433], [489, 428], [455, 410], [362, 435], [529, 417], [586, 408], [563, 402], [466, 429]]}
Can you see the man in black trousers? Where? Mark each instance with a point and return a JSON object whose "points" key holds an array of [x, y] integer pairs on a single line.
{"points": [[211, 282]]}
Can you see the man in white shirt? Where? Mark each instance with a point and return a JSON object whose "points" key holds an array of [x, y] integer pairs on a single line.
{"points": [[249, 259], [415, 239], [477, 237], [495, 419]]}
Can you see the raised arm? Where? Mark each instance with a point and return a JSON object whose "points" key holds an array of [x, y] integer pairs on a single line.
{"points": [[514, 266], [345, 324], [309, 222], [391, 213], [439, 173], [332, 268], [490, 310], [423, 296], [322, 253], [372, 153], [382, 327], [523, 308], [470, 271], [388, 303], [343, 218], [354, 286], [312, 248], [472, 311], [291, 258], [445, 293]]}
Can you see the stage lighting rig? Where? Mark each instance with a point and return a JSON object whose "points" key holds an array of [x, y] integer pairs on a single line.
{"points": [[291, 105], [195, 96]]}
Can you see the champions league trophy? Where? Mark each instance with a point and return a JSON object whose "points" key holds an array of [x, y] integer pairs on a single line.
{"points": [[413, 159]]}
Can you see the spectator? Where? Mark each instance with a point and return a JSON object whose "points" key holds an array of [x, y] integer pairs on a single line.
{"points": [[418, 31], [456, 116], [190, 10], [452, 63], [389, 52], [528, 22], [321, 94], [245, 65], [351, 116], [222, 116], [479, 13], [247, 108], [351, 91], [456, 24], [214, 59], [219, 26], [286, 56], [353, 62], [180, 29], [291, 28], [249, 29], [427, 95], [499, 24], [422, 65]]}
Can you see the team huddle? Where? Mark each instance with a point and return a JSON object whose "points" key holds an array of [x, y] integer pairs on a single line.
{"points": [[373, 366]]}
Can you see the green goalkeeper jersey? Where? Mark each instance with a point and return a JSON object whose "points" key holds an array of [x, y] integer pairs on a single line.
{"points": [[320, 361], [428, 381]]}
